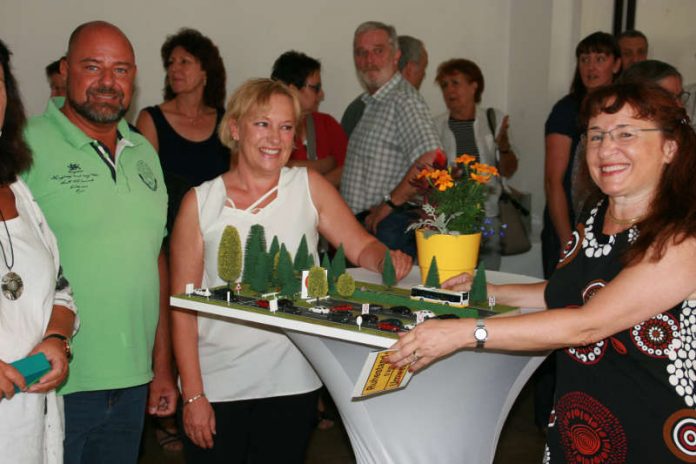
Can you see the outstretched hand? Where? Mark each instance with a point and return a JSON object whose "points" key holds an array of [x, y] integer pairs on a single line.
{"points": [[428, 342], [460, 283], [402, 263]]}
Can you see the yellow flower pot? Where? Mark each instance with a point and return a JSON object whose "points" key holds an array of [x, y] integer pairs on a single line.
{"points": [[455, 253]]}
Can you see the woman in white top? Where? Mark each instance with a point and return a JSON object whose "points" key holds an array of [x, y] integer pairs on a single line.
{"points": [[464, 128], [243, 383], [37, 314]]}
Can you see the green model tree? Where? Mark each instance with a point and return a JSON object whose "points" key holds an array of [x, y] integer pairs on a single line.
{"points": [[230, 255], [326, 264], [433, 278], [388, 273], [478, 291], [301, 256], [339, 262], [261, 274], [310, 262], [317, 286], [345, 285], [275, 247], [289, 284], [255, 244]]}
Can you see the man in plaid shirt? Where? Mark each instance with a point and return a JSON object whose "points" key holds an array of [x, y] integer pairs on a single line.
{"points": [[393, 140]]}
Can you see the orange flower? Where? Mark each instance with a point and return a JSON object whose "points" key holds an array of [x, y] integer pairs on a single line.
{"points": [[465, 159], [480, 178], [444, 181], [485, 169], [425, 172]]}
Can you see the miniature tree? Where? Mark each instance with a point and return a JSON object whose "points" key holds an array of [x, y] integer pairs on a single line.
{"points": [[388, 272], [433, 278], [230, 255], [302, 255], [478, 291], [310, 261], [338, 265], [275, 247], [286, 276], [255, 244], [261, 272], [317, 286], [345, 285], [326, 264]]}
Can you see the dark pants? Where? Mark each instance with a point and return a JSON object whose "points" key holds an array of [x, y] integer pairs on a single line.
{"points": [[392, 230], [104, 426], [262, 431]]}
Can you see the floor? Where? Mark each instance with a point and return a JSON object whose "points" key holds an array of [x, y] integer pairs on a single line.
{"points": [[520, 441]]}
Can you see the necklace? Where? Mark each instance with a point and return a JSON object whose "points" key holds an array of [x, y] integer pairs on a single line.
{"points": [[623, 222], [11, 283]]}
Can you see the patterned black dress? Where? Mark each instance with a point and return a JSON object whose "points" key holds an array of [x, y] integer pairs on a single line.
{"points": [[630, 397]]}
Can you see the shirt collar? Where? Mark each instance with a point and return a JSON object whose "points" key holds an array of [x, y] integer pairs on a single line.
{"points": [[383, 91], [74, 135]]}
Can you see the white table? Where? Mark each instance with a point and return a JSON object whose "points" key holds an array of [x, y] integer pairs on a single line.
{"points": [[451, 412]]}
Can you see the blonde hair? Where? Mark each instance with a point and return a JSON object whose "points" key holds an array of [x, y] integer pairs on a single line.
{"points": [[252, 94]]}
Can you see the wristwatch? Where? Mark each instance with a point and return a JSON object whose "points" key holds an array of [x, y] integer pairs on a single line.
{"points": [[480, 334], [65, 340], [388, 201]]}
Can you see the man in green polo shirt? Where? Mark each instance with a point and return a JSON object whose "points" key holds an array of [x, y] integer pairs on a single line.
{"points": [[101, 188]]}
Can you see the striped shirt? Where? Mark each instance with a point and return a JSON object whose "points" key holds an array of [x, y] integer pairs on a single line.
{"points": [[463, 131]]}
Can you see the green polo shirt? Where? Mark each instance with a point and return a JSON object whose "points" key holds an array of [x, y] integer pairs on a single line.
{"points": [[109, 221]]}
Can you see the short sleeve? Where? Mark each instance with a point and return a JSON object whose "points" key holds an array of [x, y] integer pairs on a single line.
{"points": [[564, 118], [416, 130]]}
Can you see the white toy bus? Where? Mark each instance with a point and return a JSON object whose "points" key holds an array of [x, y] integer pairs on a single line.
{"points": [[439, 295]]}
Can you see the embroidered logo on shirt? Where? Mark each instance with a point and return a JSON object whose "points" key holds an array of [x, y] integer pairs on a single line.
{"points": [[75, 178], [146, 175]]}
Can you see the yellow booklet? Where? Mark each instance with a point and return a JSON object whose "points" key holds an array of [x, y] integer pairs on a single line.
{"points": [[378, 376]]}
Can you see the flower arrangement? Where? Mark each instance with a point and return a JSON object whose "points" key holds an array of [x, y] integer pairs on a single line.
{"points": [[454, 196]]}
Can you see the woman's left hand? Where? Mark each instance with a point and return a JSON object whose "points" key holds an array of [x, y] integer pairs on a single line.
{"points": [[428, 342], [402, 263], [54, 350]]}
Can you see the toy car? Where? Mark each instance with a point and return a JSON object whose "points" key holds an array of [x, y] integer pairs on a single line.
{"points": [[401, 311], [390, 325], [284, 303], [319, 309], [369, 319], [341, 307], [343, 317], [426, 313], [262, 303], [375, 308]]}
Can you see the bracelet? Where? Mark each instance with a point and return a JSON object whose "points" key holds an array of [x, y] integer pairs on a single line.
{"points": [[194, 398]]}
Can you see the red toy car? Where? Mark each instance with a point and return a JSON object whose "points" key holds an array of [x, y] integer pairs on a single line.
{"points": [[342, 307], [262, 303]]}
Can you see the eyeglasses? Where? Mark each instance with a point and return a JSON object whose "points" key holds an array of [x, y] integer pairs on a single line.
{"points": [[315, 87], [623, 135], [683, 96]]}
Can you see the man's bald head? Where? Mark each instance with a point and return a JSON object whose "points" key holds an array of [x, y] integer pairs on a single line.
{"points": [[100, 75], [88, 29]]}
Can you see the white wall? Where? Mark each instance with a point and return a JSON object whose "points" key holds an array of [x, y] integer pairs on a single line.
{"points": [[524, 47]]}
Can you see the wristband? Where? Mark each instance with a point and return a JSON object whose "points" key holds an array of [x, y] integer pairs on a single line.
{"points": [[64, 339], [194, 398]]}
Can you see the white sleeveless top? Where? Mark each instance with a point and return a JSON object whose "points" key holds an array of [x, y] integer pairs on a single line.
{"points": [[241, 361]]}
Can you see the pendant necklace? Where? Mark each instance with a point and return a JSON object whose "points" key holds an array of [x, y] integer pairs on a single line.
{"points": [[623, 222], [11, 283]]}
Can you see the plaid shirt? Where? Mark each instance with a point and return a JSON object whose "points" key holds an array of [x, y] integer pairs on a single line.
{"points": [[394, 131]]}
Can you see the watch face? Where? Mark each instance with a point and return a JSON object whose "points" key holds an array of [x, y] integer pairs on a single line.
{"points": [[480, 334]]}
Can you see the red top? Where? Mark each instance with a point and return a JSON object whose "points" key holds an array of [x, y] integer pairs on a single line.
{"points": [[331, 140]]}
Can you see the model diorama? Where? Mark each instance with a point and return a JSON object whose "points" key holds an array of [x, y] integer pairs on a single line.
{"points": [[274, 281]]}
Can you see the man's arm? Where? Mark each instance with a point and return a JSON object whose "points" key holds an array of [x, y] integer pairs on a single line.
{"points": [[163, 391], [402, 193]]}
